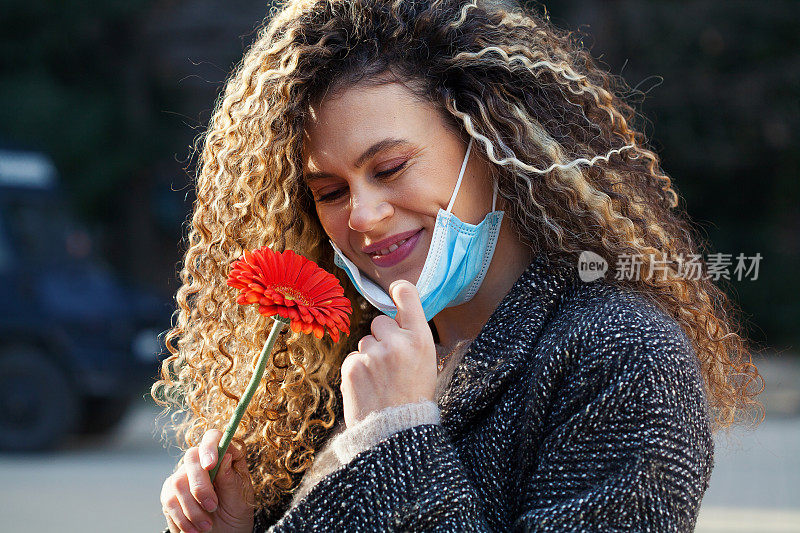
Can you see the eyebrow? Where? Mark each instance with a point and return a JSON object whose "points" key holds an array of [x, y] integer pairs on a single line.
{"points": [[379, 146]]}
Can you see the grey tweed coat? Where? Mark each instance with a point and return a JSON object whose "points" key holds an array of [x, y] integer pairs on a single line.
{"points": [[579, 407]]}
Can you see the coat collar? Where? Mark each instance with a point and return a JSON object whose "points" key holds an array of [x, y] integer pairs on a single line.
{"points": [[502, 347]]}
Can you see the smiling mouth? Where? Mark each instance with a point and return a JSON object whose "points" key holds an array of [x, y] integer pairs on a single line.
{"points": [[390, 249], [391, 253]]}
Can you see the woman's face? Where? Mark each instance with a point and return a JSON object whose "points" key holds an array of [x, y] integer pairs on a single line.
{"points": [[380, 164]]}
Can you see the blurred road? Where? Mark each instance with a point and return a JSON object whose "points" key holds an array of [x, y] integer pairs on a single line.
{"points": [[113, 483], [755, 485], [94, 484]]}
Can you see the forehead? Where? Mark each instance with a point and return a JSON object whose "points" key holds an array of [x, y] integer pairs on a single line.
{"points": [[342, 126]]}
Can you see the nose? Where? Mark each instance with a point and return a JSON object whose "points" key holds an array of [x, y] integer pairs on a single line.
{"points": [[368, 207]]}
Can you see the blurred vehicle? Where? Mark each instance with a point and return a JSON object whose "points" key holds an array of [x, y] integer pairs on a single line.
{"points": [[76, 344]]}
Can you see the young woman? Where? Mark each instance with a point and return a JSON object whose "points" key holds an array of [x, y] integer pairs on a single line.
{"points": [[449, 161]]}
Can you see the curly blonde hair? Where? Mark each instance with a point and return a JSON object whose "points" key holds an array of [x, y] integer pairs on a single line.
{"points": [[568, 160]]}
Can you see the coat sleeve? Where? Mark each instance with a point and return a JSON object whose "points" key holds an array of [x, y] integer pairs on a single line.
{"points": [[346, 444], [379, 425], [412, 481], [629, 446]]}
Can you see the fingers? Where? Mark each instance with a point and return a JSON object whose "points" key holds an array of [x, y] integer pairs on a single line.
{"points": [[180, 507], [354, 363], [368, 344], [208, 448], [410, 314], [173, 527], [188, 496], [234, 471], [382, 326], [238, 460], [209, 451], [197, 518], [199, 481]]}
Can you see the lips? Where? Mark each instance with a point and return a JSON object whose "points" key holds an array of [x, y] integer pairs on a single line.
{"points": [[390, 251], [384, 244]]}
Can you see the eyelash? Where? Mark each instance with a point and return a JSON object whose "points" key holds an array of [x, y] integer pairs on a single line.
{"points": [[335, 194]]}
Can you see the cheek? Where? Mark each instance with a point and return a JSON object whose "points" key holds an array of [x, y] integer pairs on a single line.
{"points": [[423, 196], [335, 224]]}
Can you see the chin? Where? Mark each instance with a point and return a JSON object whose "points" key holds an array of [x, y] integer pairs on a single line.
{"points": [[385, 277], [413, 276]]}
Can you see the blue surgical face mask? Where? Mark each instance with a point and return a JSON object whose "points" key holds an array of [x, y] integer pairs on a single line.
{"points": [[457, 261]]}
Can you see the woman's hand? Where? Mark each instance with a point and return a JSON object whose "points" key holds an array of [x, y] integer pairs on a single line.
{"points": [[192, 504], [393, 366]]}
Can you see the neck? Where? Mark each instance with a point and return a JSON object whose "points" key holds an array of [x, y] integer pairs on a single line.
{"points": [[465, 321]]}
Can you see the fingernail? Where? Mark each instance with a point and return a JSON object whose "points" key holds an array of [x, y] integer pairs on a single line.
{"points": [[210, 505], [205, 526], [206, 460]]}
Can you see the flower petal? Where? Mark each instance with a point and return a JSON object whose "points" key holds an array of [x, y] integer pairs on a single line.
{"points": [[292, 286]]}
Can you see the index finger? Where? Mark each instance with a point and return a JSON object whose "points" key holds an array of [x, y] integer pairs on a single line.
{"points": [[410, 314], [200, 485], [208, 448]]}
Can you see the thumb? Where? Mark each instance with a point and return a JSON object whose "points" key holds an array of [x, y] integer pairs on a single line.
{"points": [[227, 477], [410, 314], [234, 488]]}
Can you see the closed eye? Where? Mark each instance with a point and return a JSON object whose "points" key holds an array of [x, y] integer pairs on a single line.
{"points": [[391, 170], [331, 196], [337, 193]]}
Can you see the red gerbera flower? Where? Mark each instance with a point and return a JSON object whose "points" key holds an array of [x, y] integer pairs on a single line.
{"points": [[294, 287]]}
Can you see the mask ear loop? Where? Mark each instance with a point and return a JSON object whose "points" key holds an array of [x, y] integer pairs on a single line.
{"points": [[494, 196], [460, 177]]}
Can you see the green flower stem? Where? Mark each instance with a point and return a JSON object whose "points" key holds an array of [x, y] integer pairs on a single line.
{"points": [[230, 429]]}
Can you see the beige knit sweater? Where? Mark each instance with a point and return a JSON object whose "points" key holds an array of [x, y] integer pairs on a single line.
{"points": [[345, 443]]}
